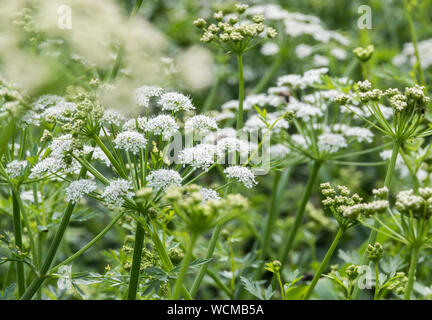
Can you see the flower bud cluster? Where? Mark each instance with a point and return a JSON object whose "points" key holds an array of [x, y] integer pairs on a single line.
{"points": [[231, 32], [199, 214], [364, 54], [419, 206], [375, 252]]}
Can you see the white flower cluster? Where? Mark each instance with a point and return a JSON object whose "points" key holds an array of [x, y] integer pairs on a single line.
{"points": [[163, 178], [15, 168], [116, 192], [112, 117], [359, 133], [331, 142], [297, 24], [209, 194], [242, 174], [143, 94], [297, 81], [407, 56], [79, 188], [139, 123], [55, 161], [162, 125], [255, 122], [231, 145], [131, 141], [175, 101], [201, 156], [201, 123]]}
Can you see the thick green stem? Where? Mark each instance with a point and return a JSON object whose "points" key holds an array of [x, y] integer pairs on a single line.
{"points": [[240, 93], [373, 232], [209, 255], [185, 263], [412, 272], [376, 281], [324, 264], [18, 244], [300, 212], [136, 262], [37, 282], [279, 185]]}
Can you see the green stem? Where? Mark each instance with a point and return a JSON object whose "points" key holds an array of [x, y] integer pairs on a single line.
{"points": [[239, 124], [373, 232], [185, 263], [323, 264], [414, 40], [136, 8], [376, 295], [136, 262], [166, 261], [299, 215], [281, 285], [209, 255], [412, 272], [37, 282], [18, 243], [279, 185]]}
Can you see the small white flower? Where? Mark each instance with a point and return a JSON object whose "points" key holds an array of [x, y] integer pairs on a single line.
{"points": [[279, 151], [116, 191], [163, 125], [231, 145], [201, 156], [303, 50], [78, 188], [269, 49], [331, 142], [338, 53], [143, 94], [97, 154], [15, 168], [112, 117], [201, 123], [163, 178], [175, 101], [242, 174], [139, 123], [209, 194], [130, 141]]}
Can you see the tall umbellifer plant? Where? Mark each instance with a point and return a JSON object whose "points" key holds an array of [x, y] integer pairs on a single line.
{"points": [[235, 34], [85, 136], [348, 210], [405, 124]]}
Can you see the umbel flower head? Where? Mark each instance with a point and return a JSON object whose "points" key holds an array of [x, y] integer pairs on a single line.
{"points": [[232, 33], [200, 212], [364, 54], [416, 206], [375, 252], [347, 208], [408, 110]]}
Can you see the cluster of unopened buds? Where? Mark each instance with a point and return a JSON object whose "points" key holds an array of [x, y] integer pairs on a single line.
{"points": [[351, 207], [233, 33], [417, 206], [413, 99]]}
